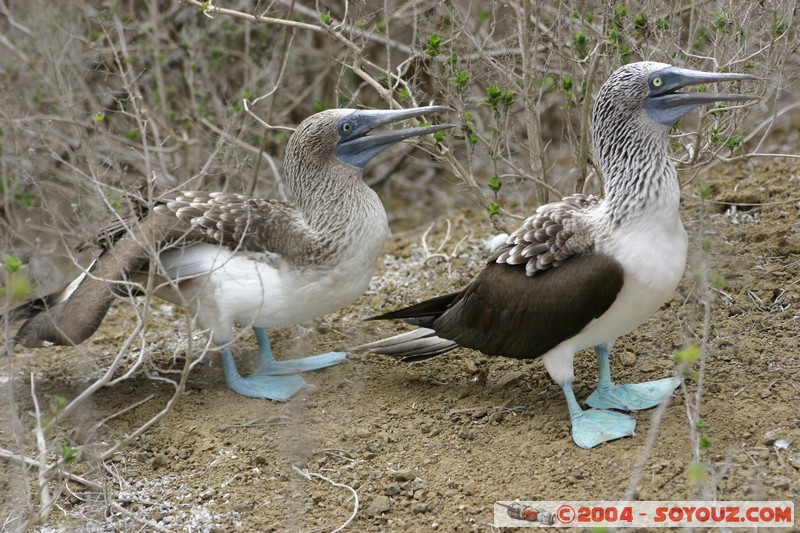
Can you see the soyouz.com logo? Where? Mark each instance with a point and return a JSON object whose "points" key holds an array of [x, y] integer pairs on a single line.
{"points": [[643, 514]]}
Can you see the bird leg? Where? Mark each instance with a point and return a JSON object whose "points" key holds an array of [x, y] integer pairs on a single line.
{"points": [[631, 397], [592, 427], [271, 367], [279, 388]]}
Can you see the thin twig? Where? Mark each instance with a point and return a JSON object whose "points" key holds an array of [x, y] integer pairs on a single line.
{"points": [[309, 475], [22, 460]]}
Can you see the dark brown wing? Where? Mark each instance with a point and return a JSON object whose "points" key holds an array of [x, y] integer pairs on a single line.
{"points": [[506, 312]]}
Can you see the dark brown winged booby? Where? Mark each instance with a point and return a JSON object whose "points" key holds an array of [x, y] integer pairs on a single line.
{"points": [[584, 271], [232, 260]]}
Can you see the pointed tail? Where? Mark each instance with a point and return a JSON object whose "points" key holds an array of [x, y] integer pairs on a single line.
{"points": [[414, 345], [422, 314]]}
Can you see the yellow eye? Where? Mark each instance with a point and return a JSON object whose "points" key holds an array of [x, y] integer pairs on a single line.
{"points": [[657, 82], [346, 127]]}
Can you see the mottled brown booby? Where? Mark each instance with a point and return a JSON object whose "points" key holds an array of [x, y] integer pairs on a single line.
{"points": [[232, 260], [581, 272]]}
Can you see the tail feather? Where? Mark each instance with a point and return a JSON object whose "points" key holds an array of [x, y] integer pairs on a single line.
{"points": [[414, 345], [27, 310], [423, 313]]}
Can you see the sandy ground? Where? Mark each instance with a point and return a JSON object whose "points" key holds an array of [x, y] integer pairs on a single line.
{"points": [[432, 445]]}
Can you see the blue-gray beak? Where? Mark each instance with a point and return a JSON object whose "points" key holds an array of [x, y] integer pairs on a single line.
{"points": [[356, 146], [666, 105]]}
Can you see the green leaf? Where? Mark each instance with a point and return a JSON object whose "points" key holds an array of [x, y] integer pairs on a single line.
{"points": [[13, 264], [497, 98], [734, 142], [69, 453], [495, 184], [779, 26], [494, 208], [721, 22], [57, 404], [697, 472], [433, 45], [452, 61], [460, 78], [18, 287], [688, 355], [580, 44]]}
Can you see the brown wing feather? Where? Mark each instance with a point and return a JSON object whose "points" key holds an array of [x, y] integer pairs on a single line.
{"points": [[505, 312], [550, 237], [231, 220], [238, 222]]}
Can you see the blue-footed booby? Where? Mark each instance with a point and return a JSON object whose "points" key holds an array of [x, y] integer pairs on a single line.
{"points": [[584, 271], [232, 260]]}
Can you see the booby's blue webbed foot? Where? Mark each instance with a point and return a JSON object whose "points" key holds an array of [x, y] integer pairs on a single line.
{"points": [[593, 427], [632, 397], [279, 388], [269, 366]]}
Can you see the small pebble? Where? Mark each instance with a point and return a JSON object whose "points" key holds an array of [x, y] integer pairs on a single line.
{"points": [[497, 417], [771, 436], [419, 507], [380, 505], [479, 413], [160, 461], [466, 434], [780, 482], [470, 367], [403, 475], [627, 358], [393, 489], [794, 460]]}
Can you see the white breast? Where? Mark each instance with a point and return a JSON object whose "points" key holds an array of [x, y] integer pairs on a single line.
{"points": [[653, 257]]}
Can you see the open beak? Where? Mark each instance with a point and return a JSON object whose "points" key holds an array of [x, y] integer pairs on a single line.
{"points": [[360, 145], [666, 105]]}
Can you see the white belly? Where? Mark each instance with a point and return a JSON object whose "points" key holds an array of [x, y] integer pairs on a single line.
{"points": [[653, 258], [221, 288]]}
